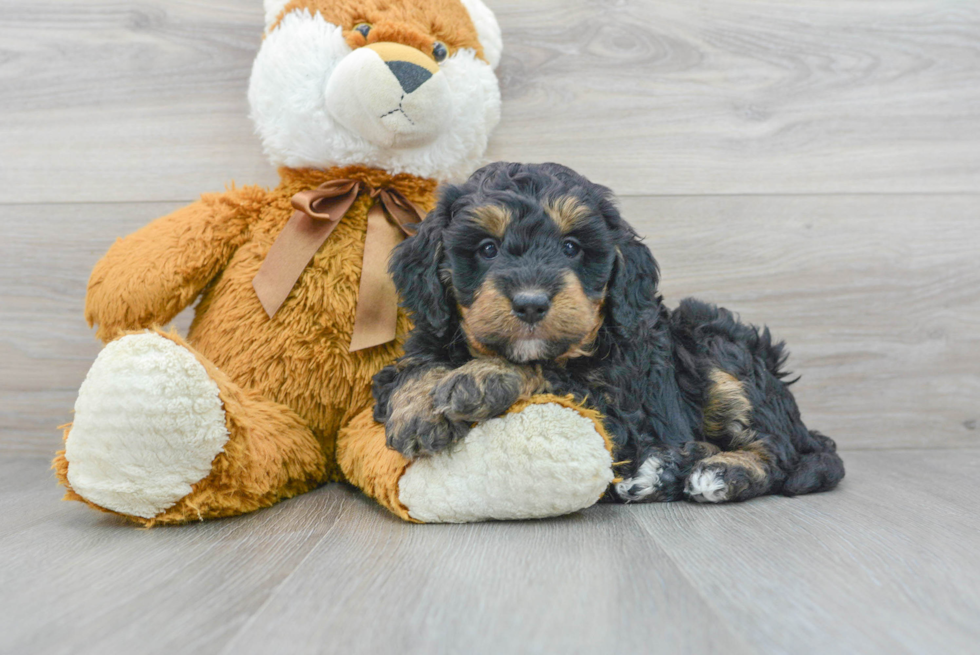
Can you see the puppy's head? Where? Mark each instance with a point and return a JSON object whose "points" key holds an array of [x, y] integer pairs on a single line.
{"points": [[528, 261]]}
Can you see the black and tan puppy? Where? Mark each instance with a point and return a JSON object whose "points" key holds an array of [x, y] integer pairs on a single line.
{"points": [[525, 279]]}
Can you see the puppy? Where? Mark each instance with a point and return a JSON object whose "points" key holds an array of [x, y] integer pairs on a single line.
{"points": [[525, 280]]}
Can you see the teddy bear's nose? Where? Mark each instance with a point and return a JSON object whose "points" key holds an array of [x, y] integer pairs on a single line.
{"points": [[410, 76], [410, 66]]}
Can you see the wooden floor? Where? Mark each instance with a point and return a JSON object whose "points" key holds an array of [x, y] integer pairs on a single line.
{"points": [[812, 164], [888, 563]]}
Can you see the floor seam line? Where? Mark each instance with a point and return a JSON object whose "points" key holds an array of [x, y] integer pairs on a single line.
{"points": [[272, 592], [720, 616]]}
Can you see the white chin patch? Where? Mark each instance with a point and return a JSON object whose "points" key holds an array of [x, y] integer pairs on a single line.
{"points": [[364, 96], [526, 350], [316, 104]]}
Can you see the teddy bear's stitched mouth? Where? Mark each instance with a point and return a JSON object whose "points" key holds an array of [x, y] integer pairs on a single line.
{"points": [[401, 109]]}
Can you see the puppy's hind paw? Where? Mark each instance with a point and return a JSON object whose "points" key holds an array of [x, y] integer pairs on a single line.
{"points": [[707, 485], [728, 476], [644, 485]]}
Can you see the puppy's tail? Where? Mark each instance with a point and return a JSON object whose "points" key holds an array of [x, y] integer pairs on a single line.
{"points": [[818, 470]]}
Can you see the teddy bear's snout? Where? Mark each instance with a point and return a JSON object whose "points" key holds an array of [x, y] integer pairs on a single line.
{"points": [[391, 94]]}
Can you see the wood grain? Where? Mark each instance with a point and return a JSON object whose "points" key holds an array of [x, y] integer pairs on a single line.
{"points": [[570, 585], [744, 96], [887, 564], [884, 564], [878, 297], [814, 165], [85, 581], [46, 255], [141, 100]]}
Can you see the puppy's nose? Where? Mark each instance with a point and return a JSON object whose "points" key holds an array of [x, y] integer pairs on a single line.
{"points": [[410, 76], [531, 306]]}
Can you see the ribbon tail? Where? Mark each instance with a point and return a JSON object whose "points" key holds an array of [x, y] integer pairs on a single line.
{"points": [[405, 212], [377, 306], [288, 257]]}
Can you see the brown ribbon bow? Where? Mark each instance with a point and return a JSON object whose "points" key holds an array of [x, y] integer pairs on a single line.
{"points": [[318, 211]]}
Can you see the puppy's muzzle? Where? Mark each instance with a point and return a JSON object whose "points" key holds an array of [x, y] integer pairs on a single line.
{"points": [[530, 306]]}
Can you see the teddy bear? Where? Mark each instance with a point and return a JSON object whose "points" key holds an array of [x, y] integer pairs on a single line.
{"points": [[364, 107]]}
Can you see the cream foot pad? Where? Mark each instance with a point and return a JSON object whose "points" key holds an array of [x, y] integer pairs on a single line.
{"points": [[148, 423], [544, 460]]}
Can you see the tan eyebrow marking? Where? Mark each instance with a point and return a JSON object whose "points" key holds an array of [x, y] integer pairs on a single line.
{"points": [[493, 218], [567, 212]]}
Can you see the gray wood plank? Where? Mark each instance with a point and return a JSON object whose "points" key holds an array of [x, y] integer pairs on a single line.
{"points": [[75, 580], [141, 100], [723, 96], [887, 564], [878, 297], [570, 585], [884, 564], [145, 99], [46, 348]]}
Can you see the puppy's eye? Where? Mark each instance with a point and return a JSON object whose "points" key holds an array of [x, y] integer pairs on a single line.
{"points": [[488, 249], [363, 28], [439, 51], [570, 248]]}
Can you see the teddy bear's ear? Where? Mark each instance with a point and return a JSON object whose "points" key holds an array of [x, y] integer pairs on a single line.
{"points": [[272, 10], [487, 29]]}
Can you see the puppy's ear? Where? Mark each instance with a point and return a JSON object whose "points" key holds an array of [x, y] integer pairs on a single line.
{"points": [[632, 296], [415, 265]]}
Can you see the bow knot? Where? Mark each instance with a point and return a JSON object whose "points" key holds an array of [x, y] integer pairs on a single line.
{"points": [[391, 217]]}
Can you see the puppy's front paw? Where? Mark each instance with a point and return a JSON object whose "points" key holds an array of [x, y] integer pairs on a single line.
{"points": [[477, 391], [419, 431]]}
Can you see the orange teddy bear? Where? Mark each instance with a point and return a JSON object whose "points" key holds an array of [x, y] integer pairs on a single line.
{"points": [[364, 107]]}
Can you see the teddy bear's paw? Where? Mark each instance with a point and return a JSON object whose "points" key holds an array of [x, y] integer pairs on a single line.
{"points": [[148, 423], [544, 460]]}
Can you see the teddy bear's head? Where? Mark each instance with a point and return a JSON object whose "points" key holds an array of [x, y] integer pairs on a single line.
{"points": [[403, 85]]}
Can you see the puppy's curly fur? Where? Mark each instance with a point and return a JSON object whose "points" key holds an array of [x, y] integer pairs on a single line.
{"points": [[526, 279]]}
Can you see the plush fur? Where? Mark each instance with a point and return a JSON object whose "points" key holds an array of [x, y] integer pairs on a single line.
{"points": [[270, 453], [534, 461], [163, 439], [395, 94], [525, 280], [295, 365], [314, 75], [545, 456]]}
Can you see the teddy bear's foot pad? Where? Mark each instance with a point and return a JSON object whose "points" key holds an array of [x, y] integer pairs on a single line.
{"points": [[544, 460], [148, 424]]}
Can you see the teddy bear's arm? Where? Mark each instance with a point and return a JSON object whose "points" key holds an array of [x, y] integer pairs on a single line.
{"points": [[148, 277]]}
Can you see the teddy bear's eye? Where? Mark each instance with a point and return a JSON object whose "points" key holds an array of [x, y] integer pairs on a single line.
{"points": [[363, 28], [439, 51]]}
